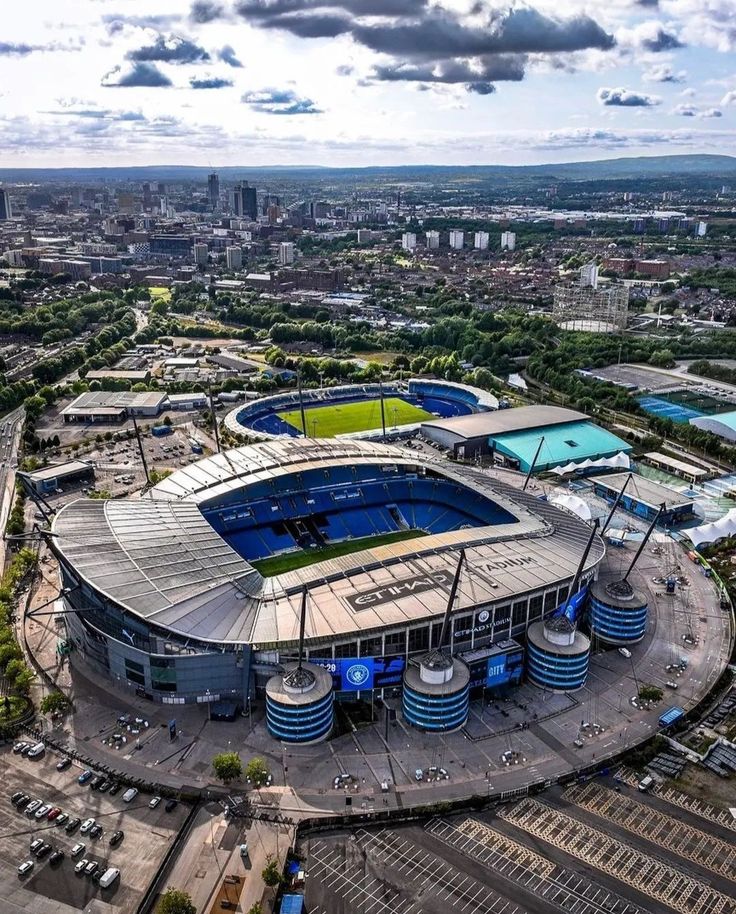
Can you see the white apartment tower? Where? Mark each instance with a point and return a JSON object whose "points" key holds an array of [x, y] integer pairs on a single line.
{"points": [[433, 240], [508, 241], [234, 258], [286, 253], [457, 240], [408, 241], [480, 242]]}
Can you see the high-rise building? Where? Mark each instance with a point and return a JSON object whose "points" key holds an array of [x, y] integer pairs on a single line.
{"points": [[213, 189], [286, 253], [6, 210], [147, 199], [234, 258], [508, 241], [457, 240], [480, 242], [589, 275], [244, 202], [408, 241], [701, 228], [201, 252], [433, 240]]}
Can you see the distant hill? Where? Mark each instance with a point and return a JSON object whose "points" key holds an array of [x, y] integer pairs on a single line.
{"points": [[604, 169]]}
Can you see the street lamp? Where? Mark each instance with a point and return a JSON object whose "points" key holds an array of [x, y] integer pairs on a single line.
{"points": [[209, 705]]}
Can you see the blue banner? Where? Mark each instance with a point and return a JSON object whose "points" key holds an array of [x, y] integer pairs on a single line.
{"points": [[496, 670], [572, 607], [356, 675]]}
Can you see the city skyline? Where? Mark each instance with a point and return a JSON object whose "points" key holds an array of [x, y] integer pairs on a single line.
{"points": [[365, 82]]}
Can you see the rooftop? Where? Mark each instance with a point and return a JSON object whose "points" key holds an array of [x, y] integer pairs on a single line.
{"points": [[644, 490], [501, 421]]}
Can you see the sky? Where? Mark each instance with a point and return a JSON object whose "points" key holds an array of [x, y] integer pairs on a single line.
{"points": [[363, 82]]}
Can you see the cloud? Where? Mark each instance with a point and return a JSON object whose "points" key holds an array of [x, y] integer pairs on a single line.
{"points": [[139, 75], [652, 36], [203, 11], [227, 55], [729, 98], [431, 43], [626, 98], [21, 49], [345, 69], [173, 50], [102, 114], [279, 101], [663, 73], [694, 111], [209, 82], [117, 22], [481, 88]]}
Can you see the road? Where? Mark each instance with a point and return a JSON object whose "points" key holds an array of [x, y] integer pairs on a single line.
{"points": [[10, 428]]}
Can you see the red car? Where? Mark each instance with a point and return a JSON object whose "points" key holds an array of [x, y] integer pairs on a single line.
{"points": [[53, 813]]}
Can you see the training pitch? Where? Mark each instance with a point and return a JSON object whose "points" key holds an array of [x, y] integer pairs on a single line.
{"points": [[329, 421]]}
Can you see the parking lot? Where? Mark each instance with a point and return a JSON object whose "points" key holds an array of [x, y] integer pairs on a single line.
{"points": [[56, 887]]}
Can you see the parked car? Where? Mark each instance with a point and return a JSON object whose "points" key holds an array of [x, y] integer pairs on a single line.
{"points": [[62, 819], [43, 851], [32, 807], [87, 825], [91, 868], [116, 838], [95, 831], [36, 844], [130, 794], [16, 796], [115, 788], [36, 750], [25, 867], [170, 805], [77, 850], [42, 811], [154, 802], [85, 776], [96, 781], [54, 813], [63, 764], [57, 856], [71, 825], [19, 747], [81, 866]]}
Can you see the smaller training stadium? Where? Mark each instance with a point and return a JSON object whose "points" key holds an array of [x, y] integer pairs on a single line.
{"points": [[357, 410]]}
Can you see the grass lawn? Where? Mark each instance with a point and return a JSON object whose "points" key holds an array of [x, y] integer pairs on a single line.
{"points": [[289, 561], [328, 421], [160, 293]]}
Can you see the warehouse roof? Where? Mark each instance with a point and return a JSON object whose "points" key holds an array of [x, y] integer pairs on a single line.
{"points": [[158, 557], [58, 470], [644, 490], [123, 399], [521, 418]]}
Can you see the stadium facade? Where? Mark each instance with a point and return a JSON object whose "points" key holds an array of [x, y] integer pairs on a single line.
{"points": [[164, 596]]}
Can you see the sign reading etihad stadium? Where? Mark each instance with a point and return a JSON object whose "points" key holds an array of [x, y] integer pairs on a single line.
{"points": [[421, 583]]}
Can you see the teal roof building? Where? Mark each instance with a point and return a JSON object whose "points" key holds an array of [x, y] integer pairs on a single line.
{"points": [[513, 436]]}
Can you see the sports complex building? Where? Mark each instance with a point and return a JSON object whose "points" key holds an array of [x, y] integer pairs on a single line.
{"points": [[195, 591], [357, 410]]}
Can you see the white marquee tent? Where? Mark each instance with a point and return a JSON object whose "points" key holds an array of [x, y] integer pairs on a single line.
{"points": [[709, 533]]}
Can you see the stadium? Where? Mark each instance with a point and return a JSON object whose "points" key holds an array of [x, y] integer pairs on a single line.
{"points": [[358, 411], [195, 592]]}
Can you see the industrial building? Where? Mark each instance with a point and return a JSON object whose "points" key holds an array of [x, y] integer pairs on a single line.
{"points": [[545, 436], [105, 406], [52, 477], [644, 497]]}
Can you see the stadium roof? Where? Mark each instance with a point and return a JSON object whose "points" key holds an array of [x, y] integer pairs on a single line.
{"points": [[158, 557], [573, 442], [722, 424], [490, 424]]}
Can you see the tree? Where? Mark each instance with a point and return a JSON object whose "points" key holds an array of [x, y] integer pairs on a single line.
{"points": [[271, 875], [174, 901], [256, 908], [256, 771], [54, 701], [227, 766]]}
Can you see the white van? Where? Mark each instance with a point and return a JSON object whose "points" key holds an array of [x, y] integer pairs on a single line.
{"points": [[36, 750], [625, 652], [130, 794], [108, 877]]}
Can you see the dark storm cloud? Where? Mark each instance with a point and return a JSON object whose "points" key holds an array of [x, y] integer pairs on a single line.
{"points": [[662, 41], [227, 55], [626, 98], [431, 32], [141, 74], [210, 82], [174, 50], [279, 101], [503, 67], [206, 11]]}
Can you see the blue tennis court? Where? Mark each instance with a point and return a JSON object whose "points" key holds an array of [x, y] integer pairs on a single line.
{"points": [[666, 410]]}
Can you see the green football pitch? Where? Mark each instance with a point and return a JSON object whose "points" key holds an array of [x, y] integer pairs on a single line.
{"points": [[328, 421], [290, 561]]}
